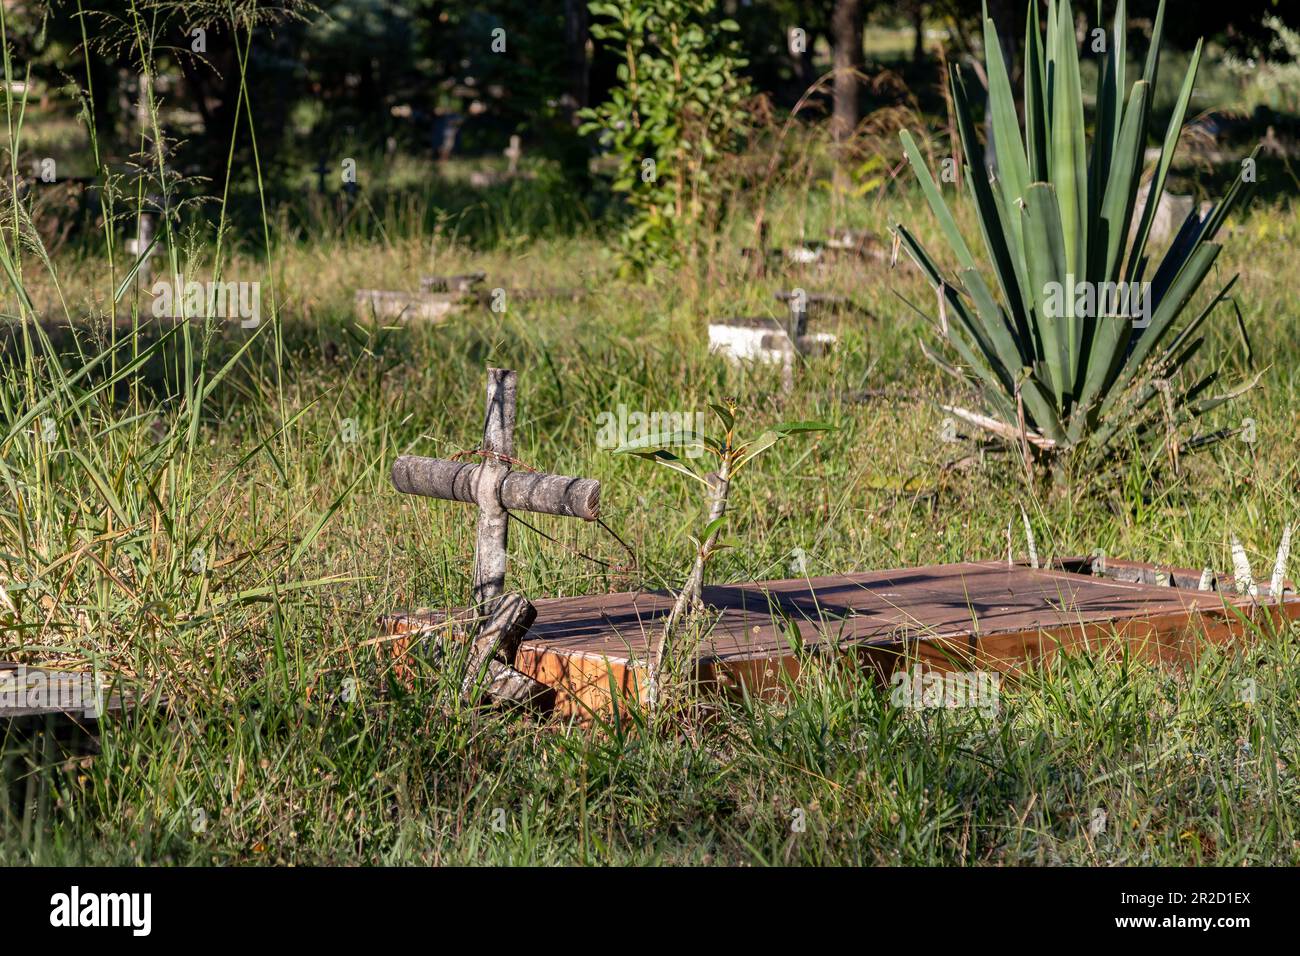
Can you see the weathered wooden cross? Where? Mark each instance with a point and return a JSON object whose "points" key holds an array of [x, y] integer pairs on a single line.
{"points": [[497, 490], [512, 153]]}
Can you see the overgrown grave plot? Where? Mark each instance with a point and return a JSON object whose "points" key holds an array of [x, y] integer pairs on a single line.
{"points": [[592, 654], [784, 342], [441, 297], [840, 247], [858, 243]]}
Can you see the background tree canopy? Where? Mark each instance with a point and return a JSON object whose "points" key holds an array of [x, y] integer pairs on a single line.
{"points": [[430, 75]]}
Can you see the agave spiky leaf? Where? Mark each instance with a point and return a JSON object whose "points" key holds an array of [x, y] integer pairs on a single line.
{"points": [[1059, 213]]}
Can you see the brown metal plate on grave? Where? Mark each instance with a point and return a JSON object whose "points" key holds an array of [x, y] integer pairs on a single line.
{"points": [[983, 614]]}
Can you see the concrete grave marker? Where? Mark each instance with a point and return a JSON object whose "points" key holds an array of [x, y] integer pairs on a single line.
{"points": [[143, 245], [512, 153], [768, 340], [442, 296]]}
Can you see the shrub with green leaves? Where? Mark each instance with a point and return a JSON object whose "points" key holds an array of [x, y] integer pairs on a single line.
{"points": [[676, 111], [1054, 218]]}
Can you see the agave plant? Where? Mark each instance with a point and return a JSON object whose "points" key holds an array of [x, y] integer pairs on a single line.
{"points": [[1060, 380]]}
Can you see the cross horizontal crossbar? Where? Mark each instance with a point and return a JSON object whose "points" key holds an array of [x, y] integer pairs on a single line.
{"points": [[519, 491]]}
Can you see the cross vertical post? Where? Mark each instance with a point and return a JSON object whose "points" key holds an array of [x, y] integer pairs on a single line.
{"points": [[493, 519], [512, 153], [141, 245], [797, 301]]}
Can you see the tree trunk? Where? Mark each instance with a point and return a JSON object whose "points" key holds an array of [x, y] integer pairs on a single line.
{"points": [[560, 139], [103, 79], [846, 40], [575, 51], [211, 84], [802, 67], [918, 25]]}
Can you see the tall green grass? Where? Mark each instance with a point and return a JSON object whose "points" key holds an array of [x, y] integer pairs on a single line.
{"points": [[286, 738]]}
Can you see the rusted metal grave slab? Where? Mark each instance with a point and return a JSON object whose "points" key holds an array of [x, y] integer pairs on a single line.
{"points": [[977, 614]]}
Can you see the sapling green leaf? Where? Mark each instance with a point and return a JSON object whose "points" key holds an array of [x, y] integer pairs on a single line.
{"points": [[789, 428], [651, 445], [711, 528], [753, 449], [135, 268]]}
